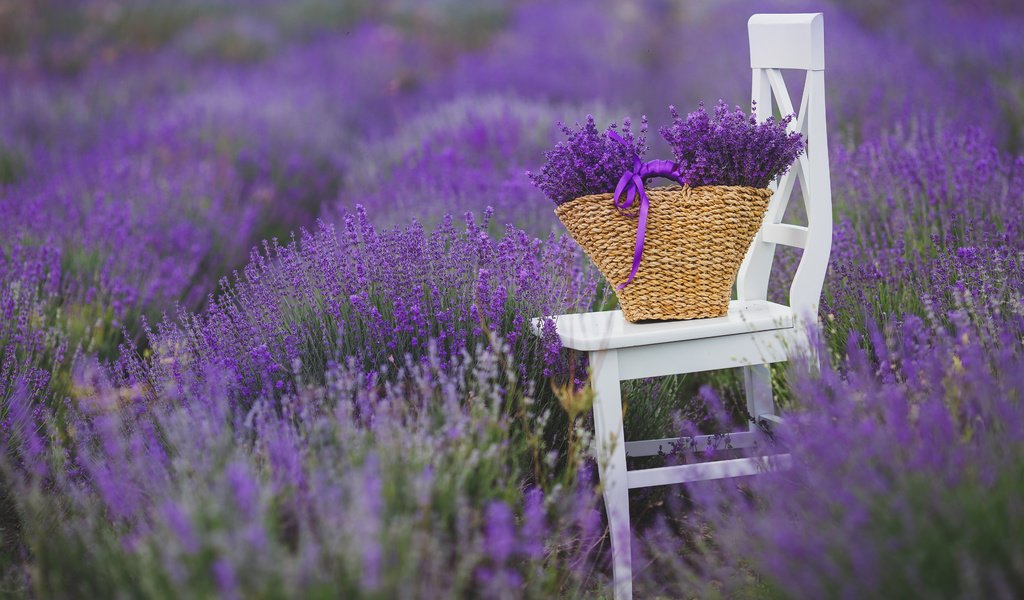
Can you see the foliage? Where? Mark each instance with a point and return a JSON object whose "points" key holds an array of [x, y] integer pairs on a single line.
{"points": [[728, 148], [339, 416], [369, 297], [905, 478], [588, 161], [369, 484]]}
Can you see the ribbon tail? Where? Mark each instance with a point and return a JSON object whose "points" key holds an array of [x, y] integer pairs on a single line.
{"points": [[641, 233], [621, 187]]}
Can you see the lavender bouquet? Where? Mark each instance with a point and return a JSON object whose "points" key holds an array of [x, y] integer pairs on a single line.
{"points": [[723, 163], [730, 148], [724, 148], [589, 162]]}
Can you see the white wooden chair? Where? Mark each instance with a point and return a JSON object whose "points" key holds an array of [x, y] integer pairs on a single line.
{"points": [[755, 333]]}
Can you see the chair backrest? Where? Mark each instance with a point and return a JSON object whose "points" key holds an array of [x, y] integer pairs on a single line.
{"points": [[792, 41]]}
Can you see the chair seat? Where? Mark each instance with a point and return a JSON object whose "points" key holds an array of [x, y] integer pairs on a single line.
{"points": [[609, 330]]}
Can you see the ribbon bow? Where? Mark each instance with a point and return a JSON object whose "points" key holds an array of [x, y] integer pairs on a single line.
{"points": [[632, 183]]}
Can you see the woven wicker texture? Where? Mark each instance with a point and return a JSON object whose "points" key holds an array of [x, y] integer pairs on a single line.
{"points": [[696, 240]]}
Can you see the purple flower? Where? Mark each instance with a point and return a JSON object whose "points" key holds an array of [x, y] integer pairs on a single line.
{"points": [[534, 524], [177, 522], [224, 575], [588, 161], [729, 148], [245, 490], [500, 532]]}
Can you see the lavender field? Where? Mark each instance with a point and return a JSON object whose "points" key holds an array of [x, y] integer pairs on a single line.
{"points": [[268, 269]]}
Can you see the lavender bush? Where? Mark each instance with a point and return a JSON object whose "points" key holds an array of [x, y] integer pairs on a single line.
{"points": [[366, 485], [33, 346], [907, 463], [372, 297], [339, 417], [928, 225], [729, 148], [471, 152], [588, 161]]}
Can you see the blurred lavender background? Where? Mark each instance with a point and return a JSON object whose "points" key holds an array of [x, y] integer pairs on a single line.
{"points": [[236, 266]]}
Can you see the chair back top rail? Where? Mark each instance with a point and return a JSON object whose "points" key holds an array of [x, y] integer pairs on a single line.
{"points": [[787, 41]]}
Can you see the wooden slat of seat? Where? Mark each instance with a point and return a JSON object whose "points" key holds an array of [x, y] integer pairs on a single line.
{"points": [[609, 330]]}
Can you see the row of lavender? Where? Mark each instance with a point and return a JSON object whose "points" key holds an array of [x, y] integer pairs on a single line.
{"points": [[361, 411]]}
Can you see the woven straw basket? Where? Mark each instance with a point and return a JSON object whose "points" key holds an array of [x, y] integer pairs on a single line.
{"points": [[696, 239]]}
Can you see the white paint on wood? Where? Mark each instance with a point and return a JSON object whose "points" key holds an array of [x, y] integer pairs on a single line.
{"points": [[721, 469], [609, 329], [755, 332]]}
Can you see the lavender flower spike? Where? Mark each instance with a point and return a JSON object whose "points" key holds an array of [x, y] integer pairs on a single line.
{"points": [[730, 148], [588, 162]]}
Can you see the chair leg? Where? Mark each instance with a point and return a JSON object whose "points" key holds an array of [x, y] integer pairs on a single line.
{"points": [[757, 382], [610, 438]]}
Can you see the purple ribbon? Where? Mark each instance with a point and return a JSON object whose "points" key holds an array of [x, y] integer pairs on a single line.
{"points": [[632, 183]]}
